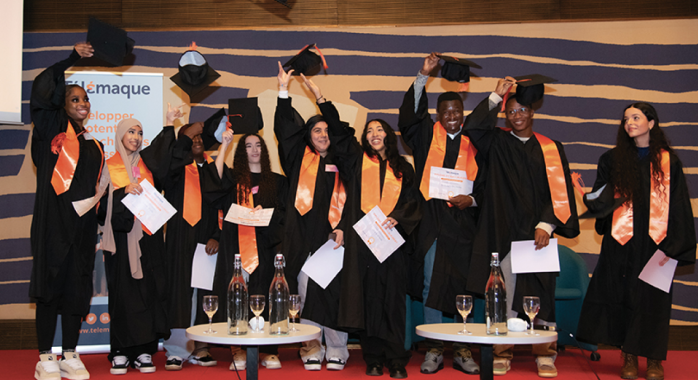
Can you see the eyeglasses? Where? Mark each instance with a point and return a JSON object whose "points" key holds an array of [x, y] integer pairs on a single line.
{"points": [[523, 110]]}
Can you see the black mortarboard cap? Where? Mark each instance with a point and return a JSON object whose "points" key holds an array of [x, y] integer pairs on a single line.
{"points": [[245, 116], [111, 44], [530, 88], [194, 74], [306, 62], [210, 127], [457, 69]]}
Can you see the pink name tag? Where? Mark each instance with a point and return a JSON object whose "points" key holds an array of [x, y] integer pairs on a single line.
{"points": [[255, 190], [136, 172], [331, 168]]}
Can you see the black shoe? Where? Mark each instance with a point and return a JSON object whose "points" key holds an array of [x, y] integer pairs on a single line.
{"points": [[374, 370], [398, 372]]}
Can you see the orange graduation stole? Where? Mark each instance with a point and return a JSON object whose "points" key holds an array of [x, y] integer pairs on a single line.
{"points": [[306, 189], [556, 178], [622, 226], [192, 192], [247, 238], [119, 176], [67, 147], [370, 189], [437, 151]]}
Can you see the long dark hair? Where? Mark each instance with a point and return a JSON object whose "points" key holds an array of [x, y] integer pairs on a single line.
{"points": [[626, 168], [309, 127], [397, 163], [241, 173]]}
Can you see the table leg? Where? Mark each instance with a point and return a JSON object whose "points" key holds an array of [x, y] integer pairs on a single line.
{"points": [[252, 362], [486, 362]]}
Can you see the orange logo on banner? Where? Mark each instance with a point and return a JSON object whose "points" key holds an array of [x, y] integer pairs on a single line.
{"points": [[91, 319], [104, 318]]}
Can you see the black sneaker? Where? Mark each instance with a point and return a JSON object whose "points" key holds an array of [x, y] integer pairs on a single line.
{"points": [[119, 365], [205, 361], [174, 363], [312, 365], [144, 363]]}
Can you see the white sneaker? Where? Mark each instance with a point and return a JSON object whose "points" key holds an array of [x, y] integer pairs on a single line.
{"points": [[239, 359], [119, 365], [47, 368], [271, 361], [144, 363], [335, 364], [72, 367]]}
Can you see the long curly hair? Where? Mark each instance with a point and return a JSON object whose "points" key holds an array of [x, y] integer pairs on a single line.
{"points": [[242, 174], [398, 164], [626, 168]]}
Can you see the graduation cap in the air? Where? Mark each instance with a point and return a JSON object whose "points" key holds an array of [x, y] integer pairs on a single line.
{"points": [[194, 74], [306, 62], [530, 88], [213, 129], [110, 44], [244, 116], [457, 69]]}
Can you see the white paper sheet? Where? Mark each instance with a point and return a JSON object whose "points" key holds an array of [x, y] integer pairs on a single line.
{"points": [[525, 258], [203, 268], [447, 183], [248, 217], [659, 277], [84, 205], [380, 240], [324, 264], [150, 207]]}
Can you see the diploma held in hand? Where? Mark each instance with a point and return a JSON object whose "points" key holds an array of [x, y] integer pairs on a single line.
{"points": [[249, 217], [447, 183], [150, 207], [382, 241]]}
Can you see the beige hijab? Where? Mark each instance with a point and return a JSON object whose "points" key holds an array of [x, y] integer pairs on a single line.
{"points": [[130, 160]]}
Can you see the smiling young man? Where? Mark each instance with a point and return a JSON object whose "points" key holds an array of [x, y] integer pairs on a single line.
{"points": [[445, 235], [528, 195]]}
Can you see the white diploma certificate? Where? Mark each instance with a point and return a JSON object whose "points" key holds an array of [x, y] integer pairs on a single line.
{"points": [[660, 277], [203, 268], [249, 217], [525, 258], [382, 241], [447, 183], [150, 207], [324, 264]]}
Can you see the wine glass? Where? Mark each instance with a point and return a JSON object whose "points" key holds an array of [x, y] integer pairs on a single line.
{"points": [[531, 306], [257, 306], [210, 308], [464, 304], [294, 306]]}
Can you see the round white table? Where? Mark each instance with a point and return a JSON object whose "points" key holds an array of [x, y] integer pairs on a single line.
{"points": [[449, 332], [251, 340]]}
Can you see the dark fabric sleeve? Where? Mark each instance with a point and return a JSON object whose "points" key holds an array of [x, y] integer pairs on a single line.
{"points": [[412, 124], [289, 131], [603, 175], [48, 99], [122, 218], [158, 155], [408, 211], [480, 125], [213, 188], [347, 151], [680, 242]]}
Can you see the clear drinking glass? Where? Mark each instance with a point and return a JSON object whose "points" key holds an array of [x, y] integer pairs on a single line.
{"points": [[531, 307], [294, 306], [257, 306], [210, 308], [464, 304]]}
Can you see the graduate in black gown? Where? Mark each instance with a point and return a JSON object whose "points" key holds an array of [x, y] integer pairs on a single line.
{"points": [[133, 256], [249, 183], [315, 205], [656, 219], [373, 292], [196, 222], [62, 241], [445, 236], [518, 205]]}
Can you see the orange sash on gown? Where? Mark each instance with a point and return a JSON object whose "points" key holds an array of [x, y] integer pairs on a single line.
{"points": [[306, 189], [67, 146], [191, 210], [371, 195], [119, 177], [247, 238]]}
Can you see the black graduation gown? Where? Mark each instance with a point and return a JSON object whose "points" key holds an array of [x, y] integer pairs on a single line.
{"points": [[222, 194], [454, 229], [517, 198], [303, 235], [59, 237], [620, 309], [181, 238], [138, 308], [373, 293]]}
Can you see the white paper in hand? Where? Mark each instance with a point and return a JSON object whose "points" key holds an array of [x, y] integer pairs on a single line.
{"points": [[382, 241], [150, 207], [447, 183], [660, 277], [203, 268], [324, 264], [525, 258], [249, 217]]}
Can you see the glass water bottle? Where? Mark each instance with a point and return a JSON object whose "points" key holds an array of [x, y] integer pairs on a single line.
{"points": [[496, 300], [237, 301], [278, 299]]}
